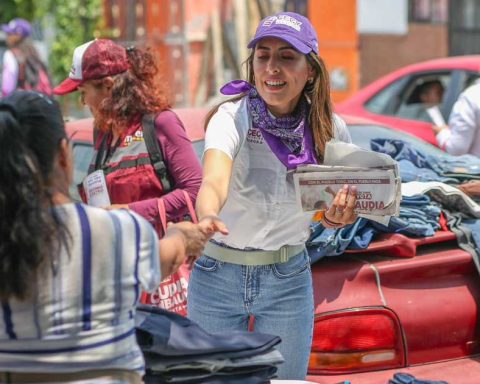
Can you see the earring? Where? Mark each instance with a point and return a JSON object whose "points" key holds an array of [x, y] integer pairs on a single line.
{"points": [[310, 80]]}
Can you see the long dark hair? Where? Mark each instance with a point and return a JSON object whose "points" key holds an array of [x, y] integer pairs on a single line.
{"points": [[134, 93], [28, 49], [31, 130]]}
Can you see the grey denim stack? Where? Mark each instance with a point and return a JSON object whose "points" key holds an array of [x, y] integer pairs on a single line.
{"points": [[177, 350]]}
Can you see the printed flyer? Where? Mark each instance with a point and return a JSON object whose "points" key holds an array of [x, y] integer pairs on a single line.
{"points": [[376, 189]]}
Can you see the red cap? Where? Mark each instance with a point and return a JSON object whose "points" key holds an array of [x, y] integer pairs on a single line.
{"points": [[94, 60]]}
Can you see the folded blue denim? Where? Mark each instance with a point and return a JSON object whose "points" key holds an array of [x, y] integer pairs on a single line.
{"points": [[259, 377], [219, 363], [406, 378], [418, 217], [410, 172], [196, 356], [169, 334], [401, 150], [455, 165], [331, 242], [418, 166]]}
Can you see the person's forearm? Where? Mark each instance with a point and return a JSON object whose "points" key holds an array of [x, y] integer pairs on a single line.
{"points": [[171, 249], [210, 200]]}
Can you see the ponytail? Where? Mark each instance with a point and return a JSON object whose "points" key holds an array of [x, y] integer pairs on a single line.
{"points": [[28, 225]]}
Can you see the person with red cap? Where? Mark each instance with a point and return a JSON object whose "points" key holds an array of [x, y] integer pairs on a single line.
{"points": [[22, 66], [119, 85], [257, 267]]}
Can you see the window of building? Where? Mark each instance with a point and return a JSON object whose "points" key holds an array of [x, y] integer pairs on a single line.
{"points": [[428, 11]]}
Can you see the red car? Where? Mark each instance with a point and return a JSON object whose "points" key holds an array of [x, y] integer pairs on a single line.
{"points": [[402, 305], [394, 99]]}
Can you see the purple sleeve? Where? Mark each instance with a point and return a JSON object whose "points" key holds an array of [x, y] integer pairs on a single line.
{"points": [[182, 164]]}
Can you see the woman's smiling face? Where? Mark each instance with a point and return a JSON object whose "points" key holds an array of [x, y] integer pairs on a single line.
{"points": [[281, 73]]}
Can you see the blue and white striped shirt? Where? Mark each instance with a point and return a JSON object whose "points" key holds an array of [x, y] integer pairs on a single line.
{"points": [[81, 315]]}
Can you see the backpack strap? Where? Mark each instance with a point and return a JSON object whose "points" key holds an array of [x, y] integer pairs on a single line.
{"points": [[21, 62], [155, 152]]}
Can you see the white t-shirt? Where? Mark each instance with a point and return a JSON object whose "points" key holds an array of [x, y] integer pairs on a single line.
{"points": [[9, 73], [463, 135], [261, 210], [82, 314]]}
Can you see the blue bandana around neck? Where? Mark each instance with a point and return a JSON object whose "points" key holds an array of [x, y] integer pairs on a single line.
{"points": [[289, 137]]}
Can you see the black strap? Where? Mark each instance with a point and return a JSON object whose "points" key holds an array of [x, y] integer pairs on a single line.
{"points": [[155, 152], [19, 56], [105, 152]]}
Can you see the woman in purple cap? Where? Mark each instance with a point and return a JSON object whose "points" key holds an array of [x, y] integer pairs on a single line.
{"points": [[257, 267], [22, 66]]}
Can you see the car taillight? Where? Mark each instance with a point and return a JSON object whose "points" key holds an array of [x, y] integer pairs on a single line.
{"points": [[356, 340]]}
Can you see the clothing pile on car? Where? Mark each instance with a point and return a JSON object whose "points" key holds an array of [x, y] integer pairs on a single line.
{"points": [[430, 202]]}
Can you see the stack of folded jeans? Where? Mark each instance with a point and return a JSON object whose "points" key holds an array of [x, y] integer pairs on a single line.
{"points": [[406, 378], [418, 217], [418, 166], [177, 350]]}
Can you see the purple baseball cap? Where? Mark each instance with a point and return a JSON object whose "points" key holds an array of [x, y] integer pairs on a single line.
{"points": [[17, 27], [291, 27]]}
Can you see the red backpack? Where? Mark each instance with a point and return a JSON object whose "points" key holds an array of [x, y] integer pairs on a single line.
{"points": [[32, 74]]}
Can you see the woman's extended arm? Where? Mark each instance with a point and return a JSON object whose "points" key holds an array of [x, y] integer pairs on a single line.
{"points": [[217, 169]]}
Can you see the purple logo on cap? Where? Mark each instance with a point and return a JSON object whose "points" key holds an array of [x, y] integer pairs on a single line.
{"points": [[285, 20], [291, 27]]}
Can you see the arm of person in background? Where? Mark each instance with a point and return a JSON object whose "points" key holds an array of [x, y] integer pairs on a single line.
{"points": [[183, 166], [472, 188], [462, 125], [9, 73]]}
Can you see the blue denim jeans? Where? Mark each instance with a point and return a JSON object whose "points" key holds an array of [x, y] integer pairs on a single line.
{"points": [[417, 165], [222, 296], [410, 172]]}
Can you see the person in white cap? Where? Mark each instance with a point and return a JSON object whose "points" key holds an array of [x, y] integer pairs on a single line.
{"points": [[120, 86], [257, 266]]}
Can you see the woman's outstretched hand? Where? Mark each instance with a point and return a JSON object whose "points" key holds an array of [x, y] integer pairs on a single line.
{"points": [[214, 223], [194, 237], [210, 224]]}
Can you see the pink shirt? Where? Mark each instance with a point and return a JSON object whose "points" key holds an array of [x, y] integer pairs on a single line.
{"points": [[182, 164]]}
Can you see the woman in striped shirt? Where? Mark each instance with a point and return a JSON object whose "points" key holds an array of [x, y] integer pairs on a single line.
{"points": [[70, 274]]}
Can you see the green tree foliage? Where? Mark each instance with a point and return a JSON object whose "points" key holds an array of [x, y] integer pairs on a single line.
{"points": [[75, 22], [17, 8]]}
